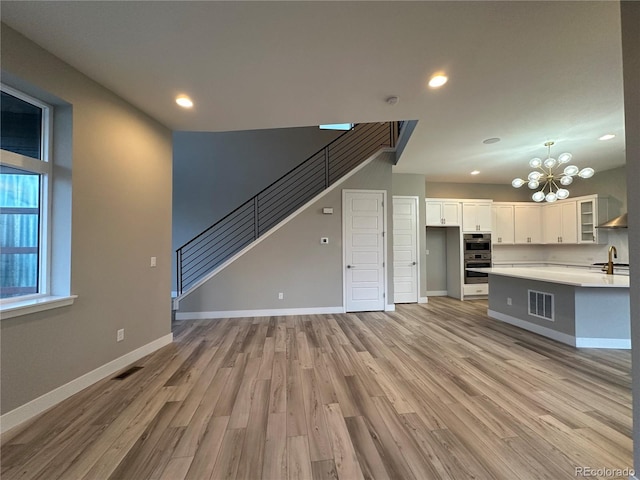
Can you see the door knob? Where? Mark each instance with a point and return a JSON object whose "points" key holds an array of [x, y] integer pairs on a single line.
{"points": [[413, 263], [348, 266]]}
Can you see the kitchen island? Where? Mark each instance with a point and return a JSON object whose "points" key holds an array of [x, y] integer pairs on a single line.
{"points": [[579, 307]]}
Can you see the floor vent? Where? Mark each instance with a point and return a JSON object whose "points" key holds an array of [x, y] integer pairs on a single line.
{"points": [[127, 373], [541, 305]]}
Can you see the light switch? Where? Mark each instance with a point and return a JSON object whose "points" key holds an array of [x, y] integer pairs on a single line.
{"points": [[324, 240], [327, 211], [153, 261]]}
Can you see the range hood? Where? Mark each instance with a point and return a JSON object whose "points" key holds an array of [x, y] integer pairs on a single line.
{"points": [[617, 222]]}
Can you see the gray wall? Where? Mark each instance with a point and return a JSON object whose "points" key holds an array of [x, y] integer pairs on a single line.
{"points": [[630, 17], [409, 184], [611, 183], [121, 216], [436, 263], [517, 289], [292, 260], [213, 173], [498, 193], [603, 313]]}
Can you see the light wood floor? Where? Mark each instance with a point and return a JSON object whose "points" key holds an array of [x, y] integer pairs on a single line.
{"points": [[429, 391]]}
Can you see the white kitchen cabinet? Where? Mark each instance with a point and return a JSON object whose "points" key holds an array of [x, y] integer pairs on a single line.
{"points": [[527, 224], [560, 222], [442, 212], [502, 224], [591, 211], [470, 290], [569, 232], [476, 216]]}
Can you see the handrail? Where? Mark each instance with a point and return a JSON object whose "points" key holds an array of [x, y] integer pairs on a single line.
{"points": [[268, 186], [275, 202]]}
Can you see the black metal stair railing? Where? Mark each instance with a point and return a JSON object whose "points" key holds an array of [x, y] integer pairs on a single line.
{"points": [[256, 216]]}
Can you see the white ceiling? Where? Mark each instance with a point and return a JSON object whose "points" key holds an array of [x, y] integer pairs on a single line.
{"points": [[526, 72]]}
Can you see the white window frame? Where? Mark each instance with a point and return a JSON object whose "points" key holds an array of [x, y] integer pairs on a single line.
{"points": [[44, 168]]}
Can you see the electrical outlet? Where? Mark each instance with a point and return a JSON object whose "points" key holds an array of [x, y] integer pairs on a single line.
{"points": [[427, 252], [154, 261], [509, 302], [120, 335], [280, 296]]}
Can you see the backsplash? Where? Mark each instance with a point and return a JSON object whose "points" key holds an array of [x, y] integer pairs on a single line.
{"points": [[519, 253], [574, 254]]}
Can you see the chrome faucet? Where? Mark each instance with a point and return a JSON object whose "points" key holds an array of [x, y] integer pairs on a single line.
{"points": [[608, 268]]}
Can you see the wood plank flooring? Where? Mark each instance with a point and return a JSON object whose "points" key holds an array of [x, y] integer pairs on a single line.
{"points": [[434, 391]]}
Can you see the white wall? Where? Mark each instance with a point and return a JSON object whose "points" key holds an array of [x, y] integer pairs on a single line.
{"points": [[578, 254]]}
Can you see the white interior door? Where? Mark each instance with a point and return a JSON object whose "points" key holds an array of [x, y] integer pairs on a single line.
{"points": [[405, 249], [364, 251]]}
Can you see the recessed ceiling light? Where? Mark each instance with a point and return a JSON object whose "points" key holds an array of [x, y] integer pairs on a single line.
{"points": [[437, 80], [475, 172], [184, 101], [491, 140], [608, 136]]}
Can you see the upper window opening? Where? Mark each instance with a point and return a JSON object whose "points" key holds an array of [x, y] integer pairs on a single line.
{"points": [[21, 126], [337, 126]]}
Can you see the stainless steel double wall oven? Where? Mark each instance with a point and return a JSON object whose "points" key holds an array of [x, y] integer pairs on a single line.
{"points": [[477, 254]]}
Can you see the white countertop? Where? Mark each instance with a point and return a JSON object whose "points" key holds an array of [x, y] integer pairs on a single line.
{"points": [[618, 269], [566, 276]]}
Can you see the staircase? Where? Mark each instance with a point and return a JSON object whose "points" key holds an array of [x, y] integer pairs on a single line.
{"points": [[229, 235]]}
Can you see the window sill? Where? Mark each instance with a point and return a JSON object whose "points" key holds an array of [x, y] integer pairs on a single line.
{"points": [[26, 307]]}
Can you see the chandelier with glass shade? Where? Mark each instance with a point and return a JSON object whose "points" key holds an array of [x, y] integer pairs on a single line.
{"points": [[548, 179]]}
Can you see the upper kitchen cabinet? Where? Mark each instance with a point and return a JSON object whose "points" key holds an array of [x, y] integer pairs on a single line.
{"points": [[527, 224], [441, 212], [476, 216], [592, 210], [559, 222], [503, 227]]}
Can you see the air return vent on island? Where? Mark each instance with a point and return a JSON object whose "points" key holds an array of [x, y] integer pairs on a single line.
{"points": [[541, 304]]}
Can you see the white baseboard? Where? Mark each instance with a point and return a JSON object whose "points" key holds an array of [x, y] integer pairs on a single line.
{"points": [[615, 343], [532, 327], [390, 308], [423, 299], [437, 293], [29, 410], [578, 342], [276, 312]]}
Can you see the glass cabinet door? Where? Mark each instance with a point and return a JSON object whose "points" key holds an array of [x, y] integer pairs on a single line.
{"points": [[587, 226]]}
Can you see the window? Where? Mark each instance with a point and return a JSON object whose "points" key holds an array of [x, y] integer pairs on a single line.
{"points": [[337, 126], [25, 175]]}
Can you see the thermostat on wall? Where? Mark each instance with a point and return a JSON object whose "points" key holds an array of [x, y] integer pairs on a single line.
{"points": [[327, 211]]}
